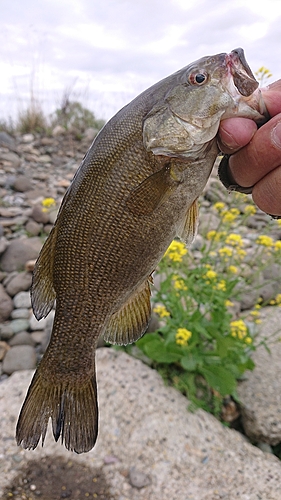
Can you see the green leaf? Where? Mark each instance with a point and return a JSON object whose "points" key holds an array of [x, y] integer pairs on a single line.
{"points": [[189, 363], [219, 379], [157, 351]]}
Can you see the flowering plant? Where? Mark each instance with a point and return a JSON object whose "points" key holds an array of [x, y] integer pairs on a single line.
{"points": [[201, 347]]}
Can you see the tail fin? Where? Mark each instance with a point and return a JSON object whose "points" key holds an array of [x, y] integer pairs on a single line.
{"points": [[72, 408]]}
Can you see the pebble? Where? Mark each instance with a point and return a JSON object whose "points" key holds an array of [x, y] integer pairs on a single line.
{"points": [[20, 282], [22, 338], [6, 304], [34, 324], [22, 300], [19, 325], [138, 479], [19, 357]]}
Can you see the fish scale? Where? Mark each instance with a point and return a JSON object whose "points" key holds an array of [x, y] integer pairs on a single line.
{"points": [[135, 191]]}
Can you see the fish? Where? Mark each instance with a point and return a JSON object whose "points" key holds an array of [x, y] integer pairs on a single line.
{"points": [[136, 190]]}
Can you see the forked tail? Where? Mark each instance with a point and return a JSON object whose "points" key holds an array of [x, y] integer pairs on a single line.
{"points": [[72, 407]]}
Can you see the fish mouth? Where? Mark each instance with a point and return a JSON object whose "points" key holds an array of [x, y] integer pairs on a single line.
{"points": [[241, 73]]}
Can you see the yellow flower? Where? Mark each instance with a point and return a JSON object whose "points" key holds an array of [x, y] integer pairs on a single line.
{"points": [[215, 235], [225, 252], [179, 284], [241, 253], [228, 303], [233, 269], [221, 285], [48, 202], [176, 251], [182, 336], [278, 299], [277, 245], [265, 240], [238, 329], [234, 240], [278, 222], [210, 275], [255, 313], [249, 210], [161, 311], [230, 215], [248, 340], [219, 206]]}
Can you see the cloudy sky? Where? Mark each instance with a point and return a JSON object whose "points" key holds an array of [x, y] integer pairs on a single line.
{"points": [[105, 52]]}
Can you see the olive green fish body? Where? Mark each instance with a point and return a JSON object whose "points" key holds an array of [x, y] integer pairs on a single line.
{"points": [[135, 191]]}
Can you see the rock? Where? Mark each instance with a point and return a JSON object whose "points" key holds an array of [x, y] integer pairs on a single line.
{"points": [[22, 338], [6, 305], [260, 393], [58, 130], [208, 222], [22, 184], [44, 159], [21, 282], [3, 245], [19, 252], [29, 265], [4, 347], [39, 214], [27, 138], [10, 158], [33, 228], [19, 357], [19, 325], [6, 331], [138, 479], [187, 455], [20, 314], [6, 140], [22, 300]]}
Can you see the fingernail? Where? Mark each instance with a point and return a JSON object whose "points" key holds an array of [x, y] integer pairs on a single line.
{"points": [[229, 141], [276, 135]]}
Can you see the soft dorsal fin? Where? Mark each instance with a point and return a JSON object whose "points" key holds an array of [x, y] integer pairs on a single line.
{"points": [[42, 291], [129, 323], [152, 192], [188, 232]]}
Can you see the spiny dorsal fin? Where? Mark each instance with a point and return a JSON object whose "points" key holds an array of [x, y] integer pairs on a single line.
{"points": [[189, 231], [42, 291], [152, 192], [129, 323]]}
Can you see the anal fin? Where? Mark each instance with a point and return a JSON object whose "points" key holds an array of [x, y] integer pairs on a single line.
{"points": [[129, 323], [188, 231]]}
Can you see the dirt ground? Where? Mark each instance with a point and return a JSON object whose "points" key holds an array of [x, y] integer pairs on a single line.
{"points": [[55, 479]]}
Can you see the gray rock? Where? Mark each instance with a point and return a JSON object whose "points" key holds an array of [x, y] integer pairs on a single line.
{"points": [[26, 138], [6, 305], [44, 159], [39, 215], [22, 338], [19, 252], [33, 228], [138, 479], [11, 158], [3, 244], [7, 140], [21, 282], [22, 184], [187, 455], [19, 325], [6, 331], [4, 347], [208, 222], [20, 314], [19, 357], [22, 300], [260, 393], [58, 130]]}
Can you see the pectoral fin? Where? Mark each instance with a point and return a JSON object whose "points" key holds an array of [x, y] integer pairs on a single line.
{"points": [[152, 192], [129, 323], [188, 232], [42, 291]]}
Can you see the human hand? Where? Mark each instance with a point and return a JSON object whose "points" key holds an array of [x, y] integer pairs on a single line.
{"points": [[257, 158]]}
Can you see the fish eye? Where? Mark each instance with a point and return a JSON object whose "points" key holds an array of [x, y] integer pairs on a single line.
{"points": [[198, 78]]}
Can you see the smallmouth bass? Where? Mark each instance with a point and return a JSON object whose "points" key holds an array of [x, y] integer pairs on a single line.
{"points": [[135, 191]]}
